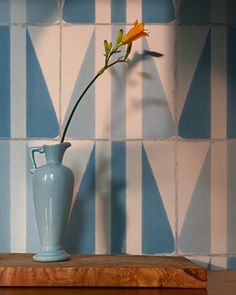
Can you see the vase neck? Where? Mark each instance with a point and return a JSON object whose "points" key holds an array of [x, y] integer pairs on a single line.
{"points": [[54, 153]]}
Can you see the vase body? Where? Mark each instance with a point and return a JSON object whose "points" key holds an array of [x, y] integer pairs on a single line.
{"points": [[52, 190]]}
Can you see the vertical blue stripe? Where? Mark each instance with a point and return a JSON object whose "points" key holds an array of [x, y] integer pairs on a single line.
{"points": [[195, 120], [41, 116], [118, 11], [231, 82], [80, 234], [5, 11], [157, 235], [158, 11], [5, 196], [231, 201], [157, 121], [118, 97], [195, 12], [5, 82], [85, 113], [79, 11], [118, 188], [43, 11], [195, 236], [32, 234]]}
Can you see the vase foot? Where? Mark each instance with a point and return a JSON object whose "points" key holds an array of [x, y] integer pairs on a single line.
{"points": [[50, 256]]}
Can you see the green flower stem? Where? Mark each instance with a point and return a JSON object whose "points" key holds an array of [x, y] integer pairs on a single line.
{"points": [[86, 89], [75, 106]]}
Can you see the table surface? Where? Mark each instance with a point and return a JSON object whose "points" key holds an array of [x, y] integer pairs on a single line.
{"points": [[219, 283]]}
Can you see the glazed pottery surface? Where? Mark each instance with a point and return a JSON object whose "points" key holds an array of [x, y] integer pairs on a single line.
{"points": [[52, 189]]}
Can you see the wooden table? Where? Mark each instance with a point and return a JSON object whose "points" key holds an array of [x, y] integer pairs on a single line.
{"points": [[219, 283]]}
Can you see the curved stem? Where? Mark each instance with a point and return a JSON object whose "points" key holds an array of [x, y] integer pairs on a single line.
{"points": [[75, 106], [85, 90]]}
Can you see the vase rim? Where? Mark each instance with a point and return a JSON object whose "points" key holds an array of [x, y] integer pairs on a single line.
{"points": [[66, 143]]}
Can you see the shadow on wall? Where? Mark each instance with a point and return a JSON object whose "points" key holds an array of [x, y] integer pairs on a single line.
{"points": [[108, 186]]}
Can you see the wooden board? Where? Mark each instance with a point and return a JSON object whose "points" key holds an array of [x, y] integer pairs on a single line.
{"points": [[102, 271]]}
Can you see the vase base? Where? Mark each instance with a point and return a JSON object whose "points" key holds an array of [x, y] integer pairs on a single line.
{"points": [[50, 256]]}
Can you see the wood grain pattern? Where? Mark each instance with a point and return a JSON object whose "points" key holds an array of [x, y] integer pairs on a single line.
{"points": [[102, 271]]}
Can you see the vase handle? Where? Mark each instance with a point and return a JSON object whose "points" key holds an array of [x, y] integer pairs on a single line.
{"points": [[32, 150]]}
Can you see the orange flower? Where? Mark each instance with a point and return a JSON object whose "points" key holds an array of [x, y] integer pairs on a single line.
{"points": [[135, 33]]}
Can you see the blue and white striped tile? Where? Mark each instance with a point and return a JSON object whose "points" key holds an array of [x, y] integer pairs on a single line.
{"points": [[158, 198], [5, 125], [42, 92], [194, 213], [78, 47], [194, 71], [158, 84], [5, 191]]}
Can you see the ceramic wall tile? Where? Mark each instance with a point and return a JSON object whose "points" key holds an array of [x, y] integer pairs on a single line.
{"points": [[129, 99], [5, 127], [5, 214], [153, 140], [194, 199]]}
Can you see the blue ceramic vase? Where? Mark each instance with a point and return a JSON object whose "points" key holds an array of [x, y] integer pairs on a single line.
{"points": [[52, 189]]}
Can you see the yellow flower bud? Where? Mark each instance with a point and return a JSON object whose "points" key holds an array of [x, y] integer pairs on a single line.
{"points": [[106, 47], [120, 36]]}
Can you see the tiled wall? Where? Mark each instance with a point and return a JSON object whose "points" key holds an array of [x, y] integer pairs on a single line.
{"points": [[153, 143]]}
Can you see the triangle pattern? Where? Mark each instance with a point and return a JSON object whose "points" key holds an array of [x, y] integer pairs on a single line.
{"points": [[162, 162], [41, 116], [191, 154], [157, 236], [46, 46], [195, 233], [166, 36], [157, 121], [188, 57], [84, 115], [75, 42], [80, 236], [195, 121]]}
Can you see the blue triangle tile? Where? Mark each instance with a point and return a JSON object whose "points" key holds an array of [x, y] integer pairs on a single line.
{"points": [[157, 121], [5, 129], [82, 125], [79, 11], [80, 234], [158, 11], [118, 188], [195, 233], [41, 116], [195, 120], [157, 235], [195, 12], [231, 83]]}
